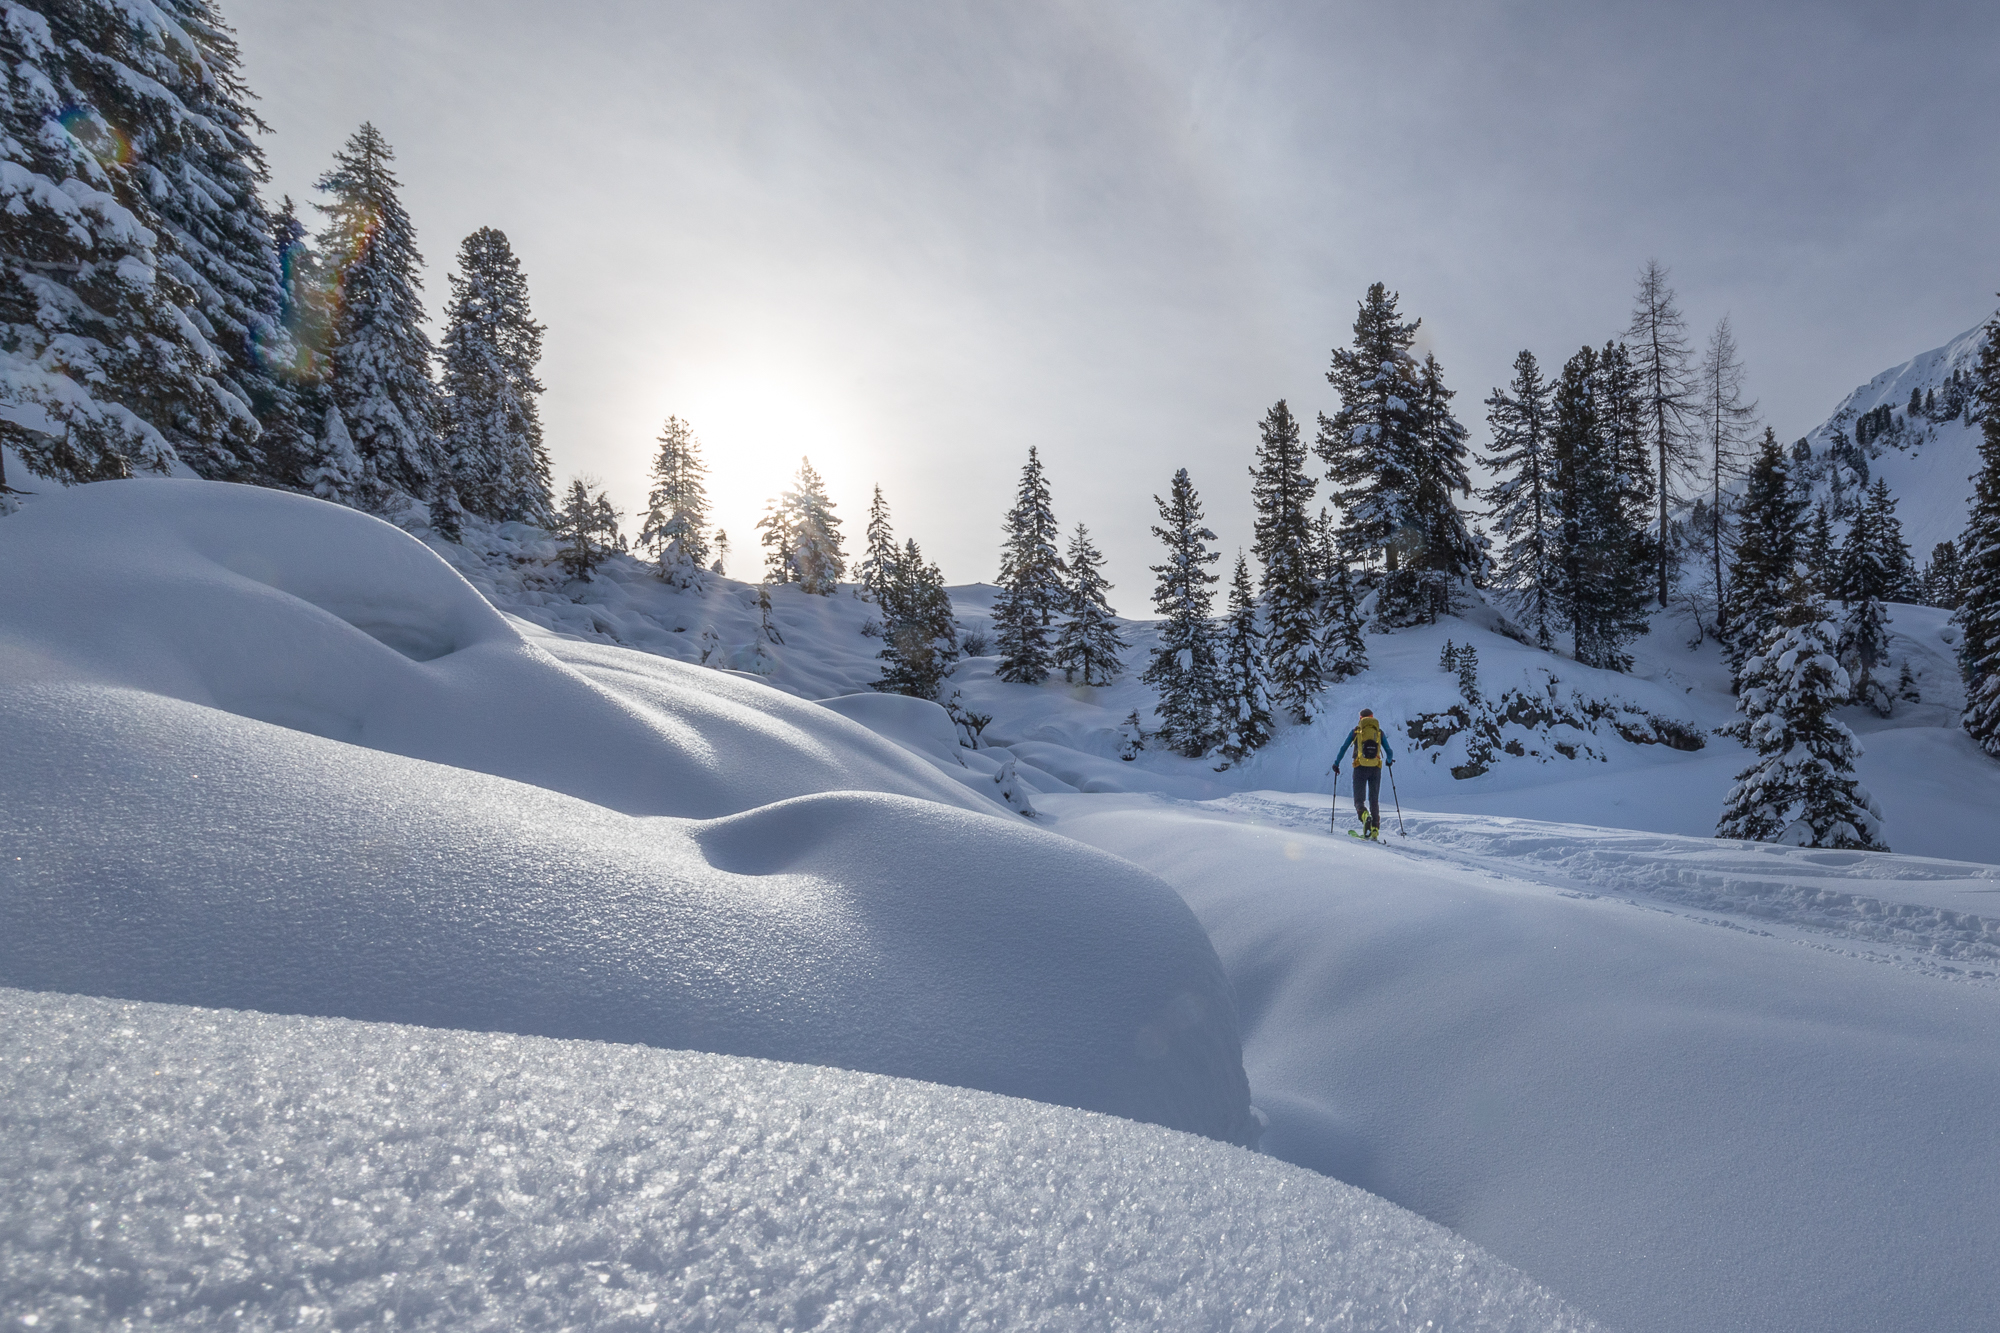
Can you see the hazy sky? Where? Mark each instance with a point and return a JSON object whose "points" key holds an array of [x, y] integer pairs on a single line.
{"points": [[912, 239]]}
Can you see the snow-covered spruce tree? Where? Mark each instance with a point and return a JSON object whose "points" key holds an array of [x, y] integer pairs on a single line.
{"points": [[1873, 569], [1443, 553], [497, 462], [779, 541], [1345, 647], [1184, 668], [919, 634], [1768, 535], [1522, 498], [880, 562], [1621, 412], [1880, 564], [1801, 790], [379, 362], [1725, 424], [204, 182], [802, 542], [1371, 445], [1031, 580], [1943, 578], [1282, 490], [1396, 457], [721, 565], [587, 524], [1465, 665], [1818, 555], [104, 369], [1244, 709], [1657, 341], [1979, 604], [1599, 582], [1089, 645], [676, 525]]}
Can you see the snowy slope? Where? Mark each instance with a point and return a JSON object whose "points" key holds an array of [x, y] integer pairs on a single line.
{"points": [[1928, 464], [1690, 1084], [188, 1168], [267, 753]]}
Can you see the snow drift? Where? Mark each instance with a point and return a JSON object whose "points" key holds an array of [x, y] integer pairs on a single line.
{"points": [[190, 1168], [267, 753]]}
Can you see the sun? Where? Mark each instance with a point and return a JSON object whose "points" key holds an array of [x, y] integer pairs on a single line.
{"points": [[755, 421]]}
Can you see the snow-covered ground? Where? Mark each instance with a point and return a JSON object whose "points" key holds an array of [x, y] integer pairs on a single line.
{"points": [[169, 1167], [269, 755]]}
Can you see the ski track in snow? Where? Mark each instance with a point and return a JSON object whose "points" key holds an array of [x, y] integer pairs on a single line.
{"points": [[1783, 886]]}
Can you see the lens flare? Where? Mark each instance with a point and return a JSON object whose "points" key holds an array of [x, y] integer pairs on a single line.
{"points": [[105, 142]]}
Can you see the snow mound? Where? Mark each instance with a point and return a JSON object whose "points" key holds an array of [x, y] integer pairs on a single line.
{"points": [[442, 860], [307, 615], [189, 1168]]}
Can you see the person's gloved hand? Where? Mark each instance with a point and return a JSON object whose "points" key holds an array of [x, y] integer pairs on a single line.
{"points": [[1336, 770]]}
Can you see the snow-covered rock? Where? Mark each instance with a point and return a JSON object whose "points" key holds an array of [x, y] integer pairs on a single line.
{"points": [[266, 753], [187, 1168]]}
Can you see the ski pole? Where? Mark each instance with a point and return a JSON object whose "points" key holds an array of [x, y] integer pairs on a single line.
{"points": [[1399, 802], [1333, 811]]}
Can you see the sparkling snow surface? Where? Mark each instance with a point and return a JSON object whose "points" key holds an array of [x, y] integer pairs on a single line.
{"points": [[165, 841], [188, 1168]]}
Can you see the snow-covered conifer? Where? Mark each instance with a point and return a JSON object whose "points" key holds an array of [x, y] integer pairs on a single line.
{"points": [[1818, 555], [1599, 582], [1767, 551], [1979, 597], [205, 184], [1031, 580], [1466, 664], [1657, 341], [675, 528], [880, 562], [1801, 789], [1445, 552], [802, 541], [1282, 490], [1524, 508], [379, 371], [1371, 444], [1875, 560], [492, 422], [1089, 645], [1345, 646], [588, 526], [1396, 457], [334, 472], [919, 634], [721, 565], [1183, 667], [104, 365], [1943, 577], [1621, 412], [1243, 711]]}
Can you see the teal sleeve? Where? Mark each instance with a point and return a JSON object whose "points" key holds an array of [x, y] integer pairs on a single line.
{"points": [[1387, 748], [1343, 749]]}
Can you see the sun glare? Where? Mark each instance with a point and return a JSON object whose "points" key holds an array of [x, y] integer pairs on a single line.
{"points": [[755, 422]]}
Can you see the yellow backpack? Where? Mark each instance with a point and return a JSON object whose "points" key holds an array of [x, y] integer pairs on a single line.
{"points": [[1368, 744]]}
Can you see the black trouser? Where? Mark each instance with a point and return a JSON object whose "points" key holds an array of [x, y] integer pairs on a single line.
{"points": [[1368, 785]]}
